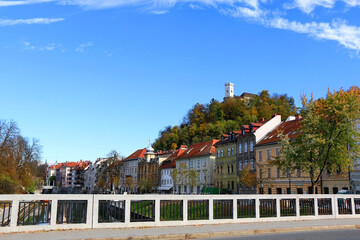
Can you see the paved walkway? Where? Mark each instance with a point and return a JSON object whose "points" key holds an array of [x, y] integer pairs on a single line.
{"points": [[189, 232]]}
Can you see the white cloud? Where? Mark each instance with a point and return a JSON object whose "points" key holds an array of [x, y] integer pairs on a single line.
{"points": [[83, 47], [24, 2], [10, 22], [159, 12], [346, 35], [308, 6], [27, 46]]}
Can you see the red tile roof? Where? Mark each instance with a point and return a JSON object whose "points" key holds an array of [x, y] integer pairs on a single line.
{"points": [[140, 153], [290, 128], [199, 149]]}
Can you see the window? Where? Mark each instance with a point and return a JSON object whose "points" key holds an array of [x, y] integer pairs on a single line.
{"points": [[222, 153], [245, 147], [298, 173], [278, 191], [269, 172], [232, 151], [260, 173], [261, 190], [228, 151], [240, 148], [260, 155], [251, 146], [240, 165], [191, 163], [269, 191], [198, 163], [299, 191], [268, 154], [326, 190], [252, 164], [288, 173], [232, 168], [218, 153], [278, 152], [278, 172], [228, 167], [204, 163]]}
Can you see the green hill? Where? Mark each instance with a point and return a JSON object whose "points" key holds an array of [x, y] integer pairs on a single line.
{"points": [[205, 122]]}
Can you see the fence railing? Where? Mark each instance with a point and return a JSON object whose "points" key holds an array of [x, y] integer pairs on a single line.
{"points": [[49, 212]]}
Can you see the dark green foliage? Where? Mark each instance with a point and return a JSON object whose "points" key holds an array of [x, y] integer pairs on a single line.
{"points": [[209, 121]]}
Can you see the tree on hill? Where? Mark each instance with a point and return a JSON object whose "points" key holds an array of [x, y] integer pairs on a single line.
{"points": [[208, 121], [328, 135]]}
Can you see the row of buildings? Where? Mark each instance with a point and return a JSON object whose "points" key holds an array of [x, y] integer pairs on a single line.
{"points": [[239, 162]]}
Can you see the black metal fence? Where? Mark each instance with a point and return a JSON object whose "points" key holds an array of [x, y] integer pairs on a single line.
{"points": [[198, 209], [223, 209], [34, 213], [267, 208], [111, 211], [344, 205], [142, 211], [287, 207], [246, 208], [307, 207], [324, 206], [71, 211], [5, 213], [171, 210]]}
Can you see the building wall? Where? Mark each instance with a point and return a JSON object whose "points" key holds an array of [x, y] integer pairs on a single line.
{"points": [[166, 179], [204, 165], [225, 166], [246, 156]]}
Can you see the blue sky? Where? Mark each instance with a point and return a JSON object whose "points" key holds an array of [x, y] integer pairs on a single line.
{"points": [[89, 76]]}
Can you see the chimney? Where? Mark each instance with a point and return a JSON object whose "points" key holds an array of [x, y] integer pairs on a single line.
{"points": [[298, 117], [261, 120]]}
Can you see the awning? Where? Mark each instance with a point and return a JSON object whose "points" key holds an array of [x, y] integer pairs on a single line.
{"points": [[164, 188]]}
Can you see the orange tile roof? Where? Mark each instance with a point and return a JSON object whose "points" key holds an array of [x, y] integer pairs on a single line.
{"points": [[140, 153], [199, 149], [290, 128]]}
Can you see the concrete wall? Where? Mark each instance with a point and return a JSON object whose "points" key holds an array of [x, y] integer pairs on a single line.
{"points": [[93, 209]]}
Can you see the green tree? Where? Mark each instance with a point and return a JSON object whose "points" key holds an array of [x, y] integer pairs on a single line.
{"points": [[328, 135], [192, 176]]}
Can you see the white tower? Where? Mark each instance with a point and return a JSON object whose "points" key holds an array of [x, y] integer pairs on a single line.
{"points": [[229, 90]]}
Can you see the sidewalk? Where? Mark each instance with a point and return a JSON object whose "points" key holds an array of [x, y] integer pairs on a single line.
{"points": [[190, 232]]}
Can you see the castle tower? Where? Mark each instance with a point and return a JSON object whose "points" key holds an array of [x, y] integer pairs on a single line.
{"points": [[149, 153], [229, 90]]}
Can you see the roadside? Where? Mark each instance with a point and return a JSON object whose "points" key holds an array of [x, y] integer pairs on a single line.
{"points": [[190, 232]]}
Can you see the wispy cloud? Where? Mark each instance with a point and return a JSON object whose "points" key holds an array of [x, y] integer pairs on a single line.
{"points": [[308, 6], [254, 11], [340, 31], [82, 47], [27, 46], [24, 2], [10, 22]]}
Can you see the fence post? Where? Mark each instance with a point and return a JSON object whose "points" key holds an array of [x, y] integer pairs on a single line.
{"points": [[235, 216], [316, 210], [335, 206], [53, 216], [185, 210], [14, 213], [353, 206], [157, 210], [127, 210], [257, 208], [278, 207], [211, 209], [297, 204]]}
